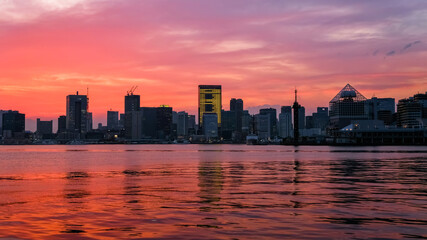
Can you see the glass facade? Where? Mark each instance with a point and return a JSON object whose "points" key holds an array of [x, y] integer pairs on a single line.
{"points": [[209, 101]]}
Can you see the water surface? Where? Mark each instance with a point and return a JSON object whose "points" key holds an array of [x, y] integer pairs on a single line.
{"points": [[212, 192]]}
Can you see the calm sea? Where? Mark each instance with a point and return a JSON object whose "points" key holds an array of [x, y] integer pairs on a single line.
{"points": [[212, 192]]}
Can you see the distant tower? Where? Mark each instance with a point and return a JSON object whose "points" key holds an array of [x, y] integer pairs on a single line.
{"points": [[296, 108]]}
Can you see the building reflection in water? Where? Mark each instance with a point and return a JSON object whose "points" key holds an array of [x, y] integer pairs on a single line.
{"points": [[296, 179], [132, 191], [211, 181], [75, 193]]}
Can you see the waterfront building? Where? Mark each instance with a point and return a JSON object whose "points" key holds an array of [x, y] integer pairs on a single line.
{"points": [[412, 112], [321, 118], [349, 104], [44, 127], [192, 127], [62, 124], [236, 105], [285, 122], [273, 120], [182, 124], [247, 124], [228, 124], [76, 113], [164, 122], [149, 122], [13, 124], [210, 125], [210, 101], [301, 117], [132, 113], [263, 126], [89, 121], [112, 120]]}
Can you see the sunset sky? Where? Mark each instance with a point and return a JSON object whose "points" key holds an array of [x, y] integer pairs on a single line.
{"points": [[257, 50]]}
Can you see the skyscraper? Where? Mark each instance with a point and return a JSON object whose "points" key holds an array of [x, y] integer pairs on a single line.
{"points": [[210, 126], [273, 120], [182, 124], [76, 119], [62, 124], [132, 116], [285, 122], [112, 120], [210, 101], [236, 106]]}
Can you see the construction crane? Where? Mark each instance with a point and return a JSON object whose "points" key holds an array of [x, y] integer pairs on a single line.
{"points": [[132, 90]]}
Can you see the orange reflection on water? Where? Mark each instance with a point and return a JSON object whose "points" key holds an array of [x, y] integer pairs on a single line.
{"points": [[209, 192]]}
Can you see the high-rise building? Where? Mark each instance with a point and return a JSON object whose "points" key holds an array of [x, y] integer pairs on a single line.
{"points": [[285, 122], [381, 109], [44, 127], [149, 122], [247, 124], [228, 124], [132, 114], [349, 104], [263, 126], [112, 120], [13, 124], [236, 106], [412, 112], [76, 119], [210, 125], [89, 121], [164, 122], [210, 102], [122, 121], [192, 124], [273, 120], [62, 124], [321, 118], [1, 121], [301, 117], [182, 124]]}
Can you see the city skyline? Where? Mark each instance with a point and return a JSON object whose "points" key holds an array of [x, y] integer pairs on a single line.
{"points": [[31, 124], [257, 51]]}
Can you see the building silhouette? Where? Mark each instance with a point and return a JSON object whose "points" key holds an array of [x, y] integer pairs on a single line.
{"points": [[112, 120], [182, 124], [76, 114], [285, 122], [44, 127], [273, 120], [236, 106], [62, 124], [412, 112], [13, 124], [210, 125], [133, 118], [349, 104], [210, 101]]}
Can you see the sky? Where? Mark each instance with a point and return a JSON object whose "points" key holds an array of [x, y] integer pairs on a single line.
{"points": [[258, 50]]}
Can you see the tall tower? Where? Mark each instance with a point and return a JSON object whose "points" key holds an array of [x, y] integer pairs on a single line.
{"points": [[77, 115], [209, 102], [296, 108]]}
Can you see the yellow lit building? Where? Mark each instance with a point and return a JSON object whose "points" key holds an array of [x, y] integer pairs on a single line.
{"points": [[209, 101]]}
